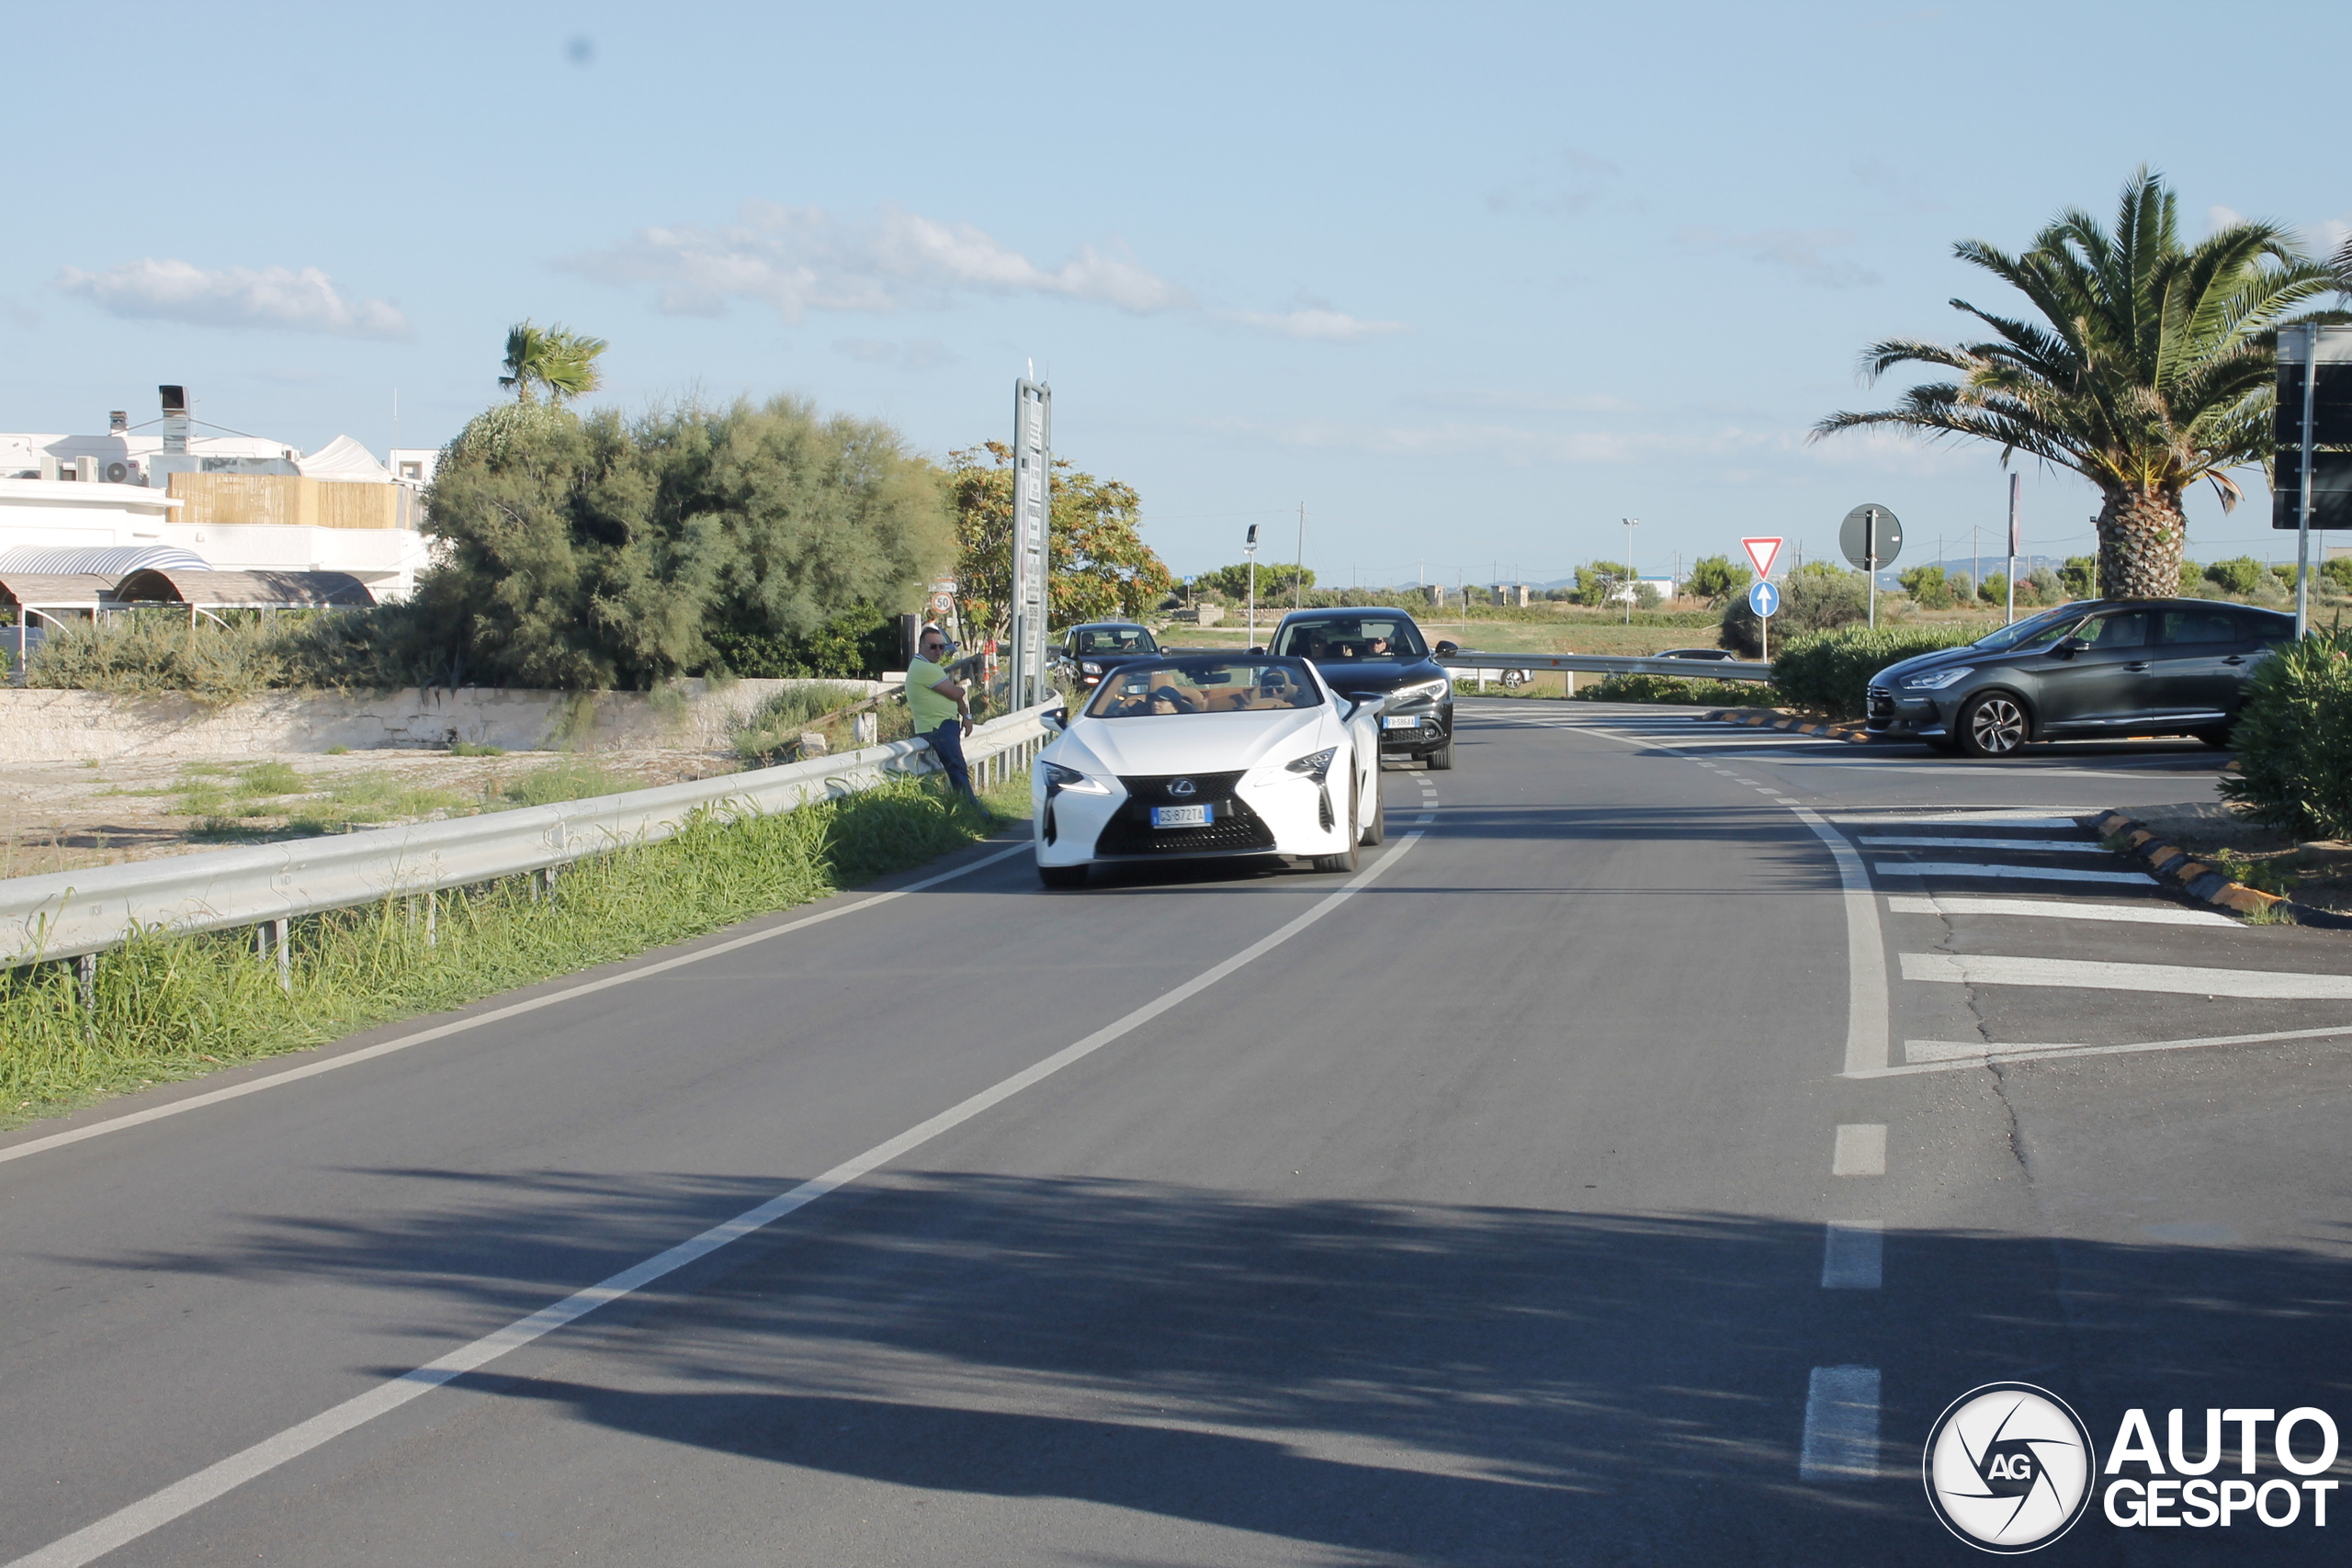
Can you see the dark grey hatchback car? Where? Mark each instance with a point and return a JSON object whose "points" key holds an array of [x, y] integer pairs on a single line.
{"points": [[2094, 667]]}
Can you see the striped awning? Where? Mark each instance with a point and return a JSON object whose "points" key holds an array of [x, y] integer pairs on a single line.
{"points": [[54, 590], [245, 590]]}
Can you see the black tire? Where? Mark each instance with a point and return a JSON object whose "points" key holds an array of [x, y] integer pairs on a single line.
{"points": [[1062, 876], [1514, 679], [1441, 760], [2218, 737], [1993, 726], [1377, 830], [1346, 860]]}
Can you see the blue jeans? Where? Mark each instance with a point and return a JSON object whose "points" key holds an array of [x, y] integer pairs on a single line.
{"points": [[948, 744]]}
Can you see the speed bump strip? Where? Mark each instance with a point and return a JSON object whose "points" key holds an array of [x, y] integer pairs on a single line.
{"points": [[2173, 865], [1765, 718]]}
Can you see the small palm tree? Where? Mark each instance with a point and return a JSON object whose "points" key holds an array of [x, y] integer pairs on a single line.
{"points": [[560, 360], [2153, 367]]}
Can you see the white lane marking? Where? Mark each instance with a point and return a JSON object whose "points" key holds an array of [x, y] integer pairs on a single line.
{"points": [[1840, 1425], [2030, 846], [2010, 872], [1867, 1028], [496, 1015], [1423, 820], [94, 1540], [1853, 1255], [2131, 914], [1861, 1149], [1785, 800], [1951, 1056], [2172, 979]]}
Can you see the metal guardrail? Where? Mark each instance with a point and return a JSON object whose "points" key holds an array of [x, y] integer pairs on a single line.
{"points": [[73, 913], [1603, 664]]}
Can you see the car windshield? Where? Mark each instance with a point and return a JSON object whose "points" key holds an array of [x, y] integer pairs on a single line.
{"points": [[2044, 628], [1205, 685], [1350, 636], [1115, 639]]}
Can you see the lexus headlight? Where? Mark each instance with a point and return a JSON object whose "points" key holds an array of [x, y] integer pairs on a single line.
{"points": [[1317, 765], [1059, 778], [1935, 679], [1435, 691]]}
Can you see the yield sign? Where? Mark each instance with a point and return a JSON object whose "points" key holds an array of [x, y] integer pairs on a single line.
{"points": [[1761, 552]]}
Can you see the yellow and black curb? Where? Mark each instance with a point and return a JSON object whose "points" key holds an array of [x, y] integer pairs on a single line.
{"points": [[2173, 864], [1765, 718]]}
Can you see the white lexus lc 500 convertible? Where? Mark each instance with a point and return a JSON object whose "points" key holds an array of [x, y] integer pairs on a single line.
{"points": [[1209, 754]]}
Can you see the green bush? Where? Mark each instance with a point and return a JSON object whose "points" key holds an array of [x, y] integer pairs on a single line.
{"points": [[1816, 597], [1830, 671], [2294, 738], [2243, 574], [1668, 689], [2338, 570]]}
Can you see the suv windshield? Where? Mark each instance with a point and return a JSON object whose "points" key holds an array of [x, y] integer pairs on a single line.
{"points": [[1205, 685], [1350, 636], [1115, 639], [2044, 628]]}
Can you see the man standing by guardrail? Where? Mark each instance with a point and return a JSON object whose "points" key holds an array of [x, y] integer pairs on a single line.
{"points": [[940, 707]]}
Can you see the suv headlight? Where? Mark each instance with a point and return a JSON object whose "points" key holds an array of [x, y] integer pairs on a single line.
{"points": [[1435, 691], [1935, 679], [1314, 767], [1059, 778], [1090, 665]]}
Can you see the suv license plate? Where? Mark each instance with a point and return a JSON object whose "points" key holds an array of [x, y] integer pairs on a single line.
{"points": [[1182, 815], [1393, 721]]}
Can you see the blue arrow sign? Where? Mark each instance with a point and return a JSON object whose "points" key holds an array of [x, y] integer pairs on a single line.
{"points": [[1764, 599]]}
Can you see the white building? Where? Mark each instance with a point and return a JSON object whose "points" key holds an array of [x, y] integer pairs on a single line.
{"points": [[116, 490]]}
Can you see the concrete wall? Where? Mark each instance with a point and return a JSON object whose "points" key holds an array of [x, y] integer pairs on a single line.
{"points": [[79, 726]]}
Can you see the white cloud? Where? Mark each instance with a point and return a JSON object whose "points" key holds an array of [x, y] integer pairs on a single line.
{"points": [[1316, 321], [291, 299], [1799, 250], [2326, 237], [798, 259], [2218, 218]]}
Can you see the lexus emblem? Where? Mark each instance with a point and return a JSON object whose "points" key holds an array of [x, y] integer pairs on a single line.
{"points": [[1181, 786]]}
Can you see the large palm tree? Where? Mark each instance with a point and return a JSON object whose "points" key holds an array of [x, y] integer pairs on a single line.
{"points": [[2153, 367], [556, 358]]}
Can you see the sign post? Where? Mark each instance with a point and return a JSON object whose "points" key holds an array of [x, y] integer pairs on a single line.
{"points": [[1764, 599], [2311, 429], [1871, 538], [2015, 544], [1033, 460]]}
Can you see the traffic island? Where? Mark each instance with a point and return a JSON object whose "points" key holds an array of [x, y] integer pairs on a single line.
{"points": [[2199, 876], [1795, 724]]}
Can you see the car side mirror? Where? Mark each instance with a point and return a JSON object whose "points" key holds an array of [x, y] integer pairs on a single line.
{"points": [[1448, 650], [1055, 719], [1257, 650], [2067, 647]]}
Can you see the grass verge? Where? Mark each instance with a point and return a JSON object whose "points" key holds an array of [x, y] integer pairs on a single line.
{"points": [[171, 1006]]}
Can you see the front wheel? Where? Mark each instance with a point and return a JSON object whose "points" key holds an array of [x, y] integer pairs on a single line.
{"points": [[1993, 726], [1514, 679], [1377, 830], [1062, 876], [1441, 760], [1346, 860]]}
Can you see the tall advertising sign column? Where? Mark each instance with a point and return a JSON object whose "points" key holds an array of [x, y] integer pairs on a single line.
{"points": [[1032, 459], [2313, 488]]}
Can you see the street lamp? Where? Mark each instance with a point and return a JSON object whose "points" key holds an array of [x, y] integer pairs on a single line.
{"points": [[1249, 549], [1631, 523]]}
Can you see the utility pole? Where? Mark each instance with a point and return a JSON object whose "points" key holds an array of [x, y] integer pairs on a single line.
{"points": [[1631, 523], [1298, 583], [2015, 481], [2303, 513]]}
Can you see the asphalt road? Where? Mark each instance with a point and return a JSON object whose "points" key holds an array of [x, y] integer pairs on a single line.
{"points": [[1482, 1209]]}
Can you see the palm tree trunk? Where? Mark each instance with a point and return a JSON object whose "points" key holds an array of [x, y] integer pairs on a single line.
{"points": [[2140, 537]]}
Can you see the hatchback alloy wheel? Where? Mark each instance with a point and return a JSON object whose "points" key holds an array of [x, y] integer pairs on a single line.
{"points": [[1993, 726]]}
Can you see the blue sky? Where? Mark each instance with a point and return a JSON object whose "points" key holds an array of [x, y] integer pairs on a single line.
{"points": [[1472, 283]]}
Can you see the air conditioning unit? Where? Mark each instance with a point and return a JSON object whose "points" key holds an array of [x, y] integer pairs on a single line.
{"points": [[119, 472], [87, 469]]}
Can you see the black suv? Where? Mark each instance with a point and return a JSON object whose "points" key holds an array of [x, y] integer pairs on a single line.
{"points": [[1088, 651], [1379, 653], [2096, 666]]}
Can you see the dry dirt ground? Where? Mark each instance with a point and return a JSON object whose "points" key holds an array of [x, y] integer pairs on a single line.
{"points": [[65, 815]]}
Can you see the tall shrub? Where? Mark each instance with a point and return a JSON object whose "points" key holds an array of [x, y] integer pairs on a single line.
{"points": [[2294, 738], [1830, 671]]}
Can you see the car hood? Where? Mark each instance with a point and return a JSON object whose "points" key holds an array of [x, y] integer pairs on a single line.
{"points": [[1198, 742], [1357, 676], [1943, 659]]}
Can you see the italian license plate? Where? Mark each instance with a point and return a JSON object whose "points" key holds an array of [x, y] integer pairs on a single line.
{"points": [[1394, 721], [1182, 815]]}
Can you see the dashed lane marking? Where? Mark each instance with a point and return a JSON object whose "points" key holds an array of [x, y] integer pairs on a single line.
{"points": [[2011, 873], [1853, 1255], [1840, 1425], [1862, 1150]]}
